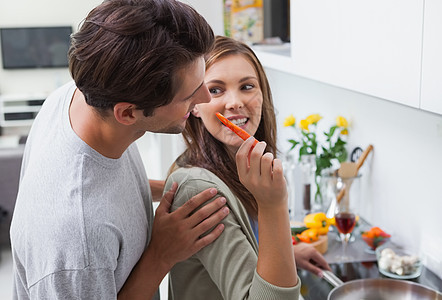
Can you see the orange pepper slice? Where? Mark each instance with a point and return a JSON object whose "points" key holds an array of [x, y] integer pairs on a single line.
{"points": [[309, 236], [236, 129]]}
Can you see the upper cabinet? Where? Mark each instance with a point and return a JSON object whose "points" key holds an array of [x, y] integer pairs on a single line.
{"points": [[387, 49], [431, 92], [373, 47]]}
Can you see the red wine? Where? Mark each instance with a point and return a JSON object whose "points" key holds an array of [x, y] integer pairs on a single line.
{"points": [[345, 222]]}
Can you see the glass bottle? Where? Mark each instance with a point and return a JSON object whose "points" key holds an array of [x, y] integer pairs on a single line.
{"points": [[289, 166], [307, 165]]}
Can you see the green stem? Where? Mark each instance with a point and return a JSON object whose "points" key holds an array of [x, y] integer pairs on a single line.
{"points": [[318, 194]]}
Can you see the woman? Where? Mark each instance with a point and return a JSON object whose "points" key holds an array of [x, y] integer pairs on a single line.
{"points": [[251, 181]]}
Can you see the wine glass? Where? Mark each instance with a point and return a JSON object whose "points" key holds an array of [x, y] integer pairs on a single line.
{"points": [[345, 217]]}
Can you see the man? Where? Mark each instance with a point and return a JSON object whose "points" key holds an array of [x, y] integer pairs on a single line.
{"points": [[83, 225]]}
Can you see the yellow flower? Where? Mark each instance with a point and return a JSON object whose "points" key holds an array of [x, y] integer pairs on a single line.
{"points": [[289, 121], [344, 131], [313, 119], [304, 124], [341, 122]]}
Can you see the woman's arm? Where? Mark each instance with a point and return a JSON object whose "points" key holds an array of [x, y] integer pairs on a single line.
{"points": [[226, 268], [263, 176]]}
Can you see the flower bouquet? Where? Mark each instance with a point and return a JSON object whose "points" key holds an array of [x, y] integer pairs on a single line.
{"points": [[321, 154]]}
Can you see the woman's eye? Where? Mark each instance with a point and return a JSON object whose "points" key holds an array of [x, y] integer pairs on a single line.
{"points": [[247, 87], [214, 91]]}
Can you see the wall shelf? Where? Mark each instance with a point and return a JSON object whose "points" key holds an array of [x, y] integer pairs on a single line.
{"points": [[18, 110]]}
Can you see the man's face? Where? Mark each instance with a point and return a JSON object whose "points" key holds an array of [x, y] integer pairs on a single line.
{"points": [[171, 118]]}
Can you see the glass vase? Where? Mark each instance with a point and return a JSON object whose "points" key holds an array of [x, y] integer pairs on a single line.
{"points": [[336, 189], [307, 165], [341, 191]]}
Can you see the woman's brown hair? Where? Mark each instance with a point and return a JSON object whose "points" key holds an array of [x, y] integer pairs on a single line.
{"points": [[131, 51], [204, 151]]}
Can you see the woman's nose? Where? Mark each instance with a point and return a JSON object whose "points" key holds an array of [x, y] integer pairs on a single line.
{"points": [[233, 101]]}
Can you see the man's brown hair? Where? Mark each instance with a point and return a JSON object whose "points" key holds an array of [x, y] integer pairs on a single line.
{"points": [[131, 51]]}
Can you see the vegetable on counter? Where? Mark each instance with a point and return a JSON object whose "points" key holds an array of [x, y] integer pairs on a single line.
{"points": [[397, 264], [318, 221], [375, 237], [308, 236], [375, 232], [297, 230]]}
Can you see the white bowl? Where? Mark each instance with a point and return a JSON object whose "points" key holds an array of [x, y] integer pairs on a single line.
{"points": [[382, 263]]}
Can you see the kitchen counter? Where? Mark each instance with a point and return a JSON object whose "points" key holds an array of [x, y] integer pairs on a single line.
{"points": [[361, 265], [315, 288]]}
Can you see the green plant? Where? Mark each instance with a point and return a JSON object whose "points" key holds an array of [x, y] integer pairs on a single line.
{"points": [[306, 140], [306, 134]]}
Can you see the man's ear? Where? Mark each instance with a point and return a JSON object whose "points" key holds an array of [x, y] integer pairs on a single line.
{"points": [[125, 113], [195, 111]]}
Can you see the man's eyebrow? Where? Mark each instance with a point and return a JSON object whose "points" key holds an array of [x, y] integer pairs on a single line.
{"points": [[194, 91]]}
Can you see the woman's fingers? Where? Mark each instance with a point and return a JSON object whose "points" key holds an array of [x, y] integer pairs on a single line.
{"points": [[256, 157], [242, 163], [277, 171], [255, 167], [267, 167]]}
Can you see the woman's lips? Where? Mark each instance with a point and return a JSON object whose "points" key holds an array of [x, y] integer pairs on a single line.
{"points": [[186, 116]]}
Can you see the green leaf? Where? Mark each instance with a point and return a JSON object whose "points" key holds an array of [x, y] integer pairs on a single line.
{"points": [[294, 143], [333, 129], [304, 133], [342, 156]]}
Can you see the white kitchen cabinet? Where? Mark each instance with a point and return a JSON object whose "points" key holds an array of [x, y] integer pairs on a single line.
{"points": [[373, 47], [387, 49], [431, 92]]}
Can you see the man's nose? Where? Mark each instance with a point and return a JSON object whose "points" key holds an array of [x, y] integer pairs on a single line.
{"points": [[204, 95]]}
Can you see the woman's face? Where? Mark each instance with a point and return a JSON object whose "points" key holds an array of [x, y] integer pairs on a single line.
{"points": [[236, 94]]}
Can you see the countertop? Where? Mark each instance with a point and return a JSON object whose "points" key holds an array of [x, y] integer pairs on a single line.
{"points": [[315, 288], [362, 264]]}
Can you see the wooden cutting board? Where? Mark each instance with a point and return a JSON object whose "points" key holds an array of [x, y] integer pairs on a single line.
{"points": [[321, 244]]}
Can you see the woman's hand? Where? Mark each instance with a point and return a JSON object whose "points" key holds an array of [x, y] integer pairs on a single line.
{"points": [[309, 259], [261, 174]]}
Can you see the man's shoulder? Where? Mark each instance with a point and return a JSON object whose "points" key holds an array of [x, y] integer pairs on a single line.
{"points": [[65, 91]]}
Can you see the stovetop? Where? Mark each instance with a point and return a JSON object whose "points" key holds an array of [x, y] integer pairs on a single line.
{"points": [[315, 288]]}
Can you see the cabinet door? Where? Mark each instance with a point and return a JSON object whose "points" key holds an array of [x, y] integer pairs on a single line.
{"points": [[373, 47], [431, 93]]}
